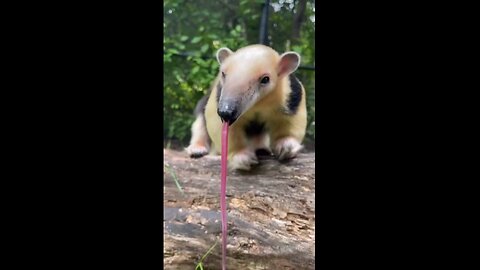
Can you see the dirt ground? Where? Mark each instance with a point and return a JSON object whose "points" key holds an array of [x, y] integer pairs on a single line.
{"points": [[271, 213]]}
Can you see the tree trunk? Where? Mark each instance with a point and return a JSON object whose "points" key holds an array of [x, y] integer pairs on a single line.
{"points": [[271, 213]]}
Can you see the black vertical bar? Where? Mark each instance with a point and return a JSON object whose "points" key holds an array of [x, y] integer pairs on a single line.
{"points": [[264, 23]]}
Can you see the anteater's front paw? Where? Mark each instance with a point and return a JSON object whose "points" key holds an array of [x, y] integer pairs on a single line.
{"points": [[287, 148], [196, 150], [243, 160]]}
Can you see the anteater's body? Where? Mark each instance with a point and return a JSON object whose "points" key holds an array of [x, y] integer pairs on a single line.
{"points": [[262, 101]]}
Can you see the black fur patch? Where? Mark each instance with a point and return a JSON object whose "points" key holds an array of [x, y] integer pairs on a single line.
{"points": [[254, 128], [295, 96], [201, 104], [219, 90], [262, 152]]}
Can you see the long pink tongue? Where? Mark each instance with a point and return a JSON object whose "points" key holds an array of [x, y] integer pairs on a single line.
{"points": [[223, 193]]}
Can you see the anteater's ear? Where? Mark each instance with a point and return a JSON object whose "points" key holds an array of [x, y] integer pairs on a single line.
{"points": [[222, 54], [289, 62]]}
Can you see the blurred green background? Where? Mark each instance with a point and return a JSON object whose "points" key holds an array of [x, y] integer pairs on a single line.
{"points": [[195, 29]]}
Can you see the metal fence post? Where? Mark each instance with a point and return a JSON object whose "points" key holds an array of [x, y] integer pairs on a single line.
{"points": [[264, 23]]}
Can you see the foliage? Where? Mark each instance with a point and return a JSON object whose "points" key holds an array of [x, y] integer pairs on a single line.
{"points": [[199, 28], [200, 263], [174, 176]]}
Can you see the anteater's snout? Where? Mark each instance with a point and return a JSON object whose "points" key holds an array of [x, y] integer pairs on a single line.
{"points": [[227, 113]]}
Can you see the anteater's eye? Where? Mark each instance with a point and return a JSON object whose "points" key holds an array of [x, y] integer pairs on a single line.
{"points": [[265, 80], [223, 74]]}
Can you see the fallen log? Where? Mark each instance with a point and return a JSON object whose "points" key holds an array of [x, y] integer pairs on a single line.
{"points": [[271, 213]]}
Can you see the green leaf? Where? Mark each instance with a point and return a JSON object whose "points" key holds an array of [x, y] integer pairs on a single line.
{"points": [[196, 54], [195, 69], [204, 48], [196, 40], [183, 38], [172, 51], [181, 46]]}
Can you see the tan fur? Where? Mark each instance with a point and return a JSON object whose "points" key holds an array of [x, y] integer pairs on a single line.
{"points": [[243, 69]]}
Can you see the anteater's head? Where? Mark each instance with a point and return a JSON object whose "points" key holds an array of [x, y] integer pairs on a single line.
{"points": [[249, 74]]}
